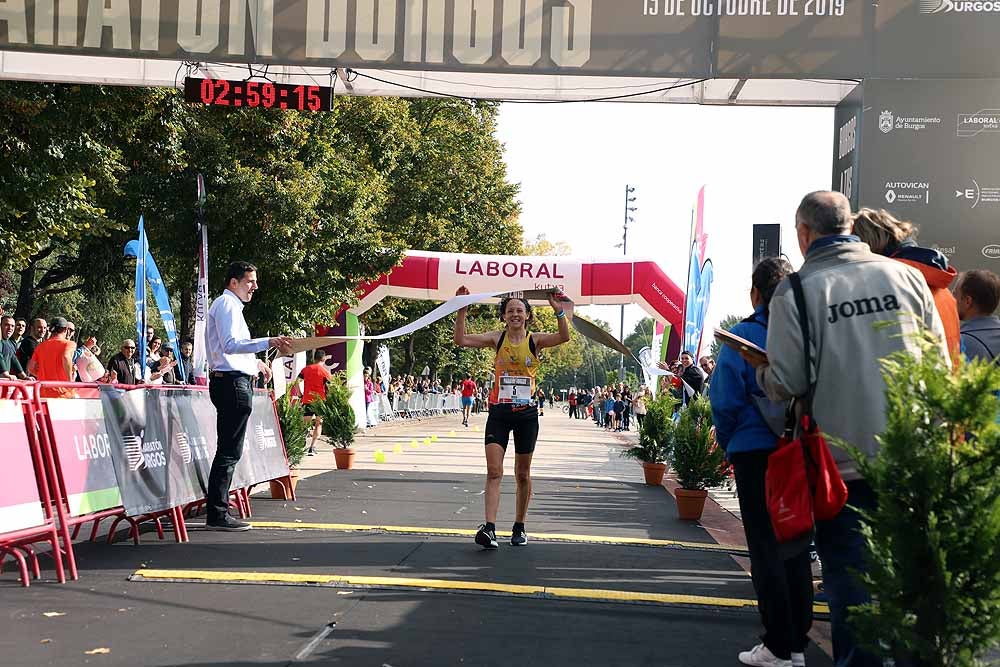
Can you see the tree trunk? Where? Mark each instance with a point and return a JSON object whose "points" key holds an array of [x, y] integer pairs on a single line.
{"points": [[186, 329], [26, 293], [409, 356]]}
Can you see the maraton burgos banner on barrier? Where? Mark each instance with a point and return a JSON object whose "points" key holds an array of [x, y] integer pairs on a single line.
{"points": [[656, 38], [163, 442]]}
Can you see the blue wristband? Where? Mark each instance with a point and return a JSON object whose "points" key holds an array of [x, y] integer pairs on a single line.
{"points": [[561, 314]]}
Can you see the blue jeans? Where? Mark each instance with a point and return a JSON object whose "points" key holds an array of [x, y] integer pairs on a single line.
{"points": [[842, 550]]}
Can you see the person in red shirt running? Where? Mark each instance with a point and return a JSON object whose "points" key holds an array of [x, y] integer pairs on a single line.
{"points": [[315, 376], [468, 394]]}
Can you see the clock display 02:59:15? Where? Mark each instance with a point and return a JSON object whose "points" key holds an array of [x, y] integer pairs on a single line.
{"points": [[264, 94]]}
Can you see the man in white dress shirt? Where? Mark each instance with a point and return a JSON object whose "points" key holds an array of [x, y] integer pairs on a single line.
{"points": [[234, 366]]}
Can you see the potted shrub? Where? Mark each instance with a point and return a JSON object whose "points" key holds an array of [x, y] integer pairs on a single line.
{"points": [[933, 570], [338, 420], [655, 439], [697, 461], [294, 429]]}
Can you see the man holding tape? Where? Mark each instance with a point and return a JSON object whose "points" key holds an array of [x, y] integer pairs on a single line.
{"points": [[511, 403], [234, 366]]}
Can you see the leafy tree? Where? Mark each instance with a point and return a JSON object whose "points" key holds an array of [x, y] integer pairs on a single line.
{"points": [[63, 163], [541, 246], [727, 324], [319, 201]]}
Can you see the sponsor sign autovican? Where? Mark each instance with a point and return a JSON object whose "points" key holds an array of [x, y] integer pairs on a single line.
{"points": [[20, 506], [907, 192]]}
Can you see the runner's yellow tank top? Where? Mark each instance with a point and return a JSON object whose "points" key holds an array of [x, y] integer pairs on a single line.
{"points": [[514, 370]]}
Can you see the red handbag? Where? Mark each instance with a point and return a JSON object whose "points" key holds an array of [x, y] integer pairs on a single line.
{"points": [[802, 484]]}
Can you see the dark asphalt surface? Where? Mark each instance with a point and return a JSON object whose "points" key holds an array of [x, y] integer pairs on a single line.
{"points": [[160, 623]]}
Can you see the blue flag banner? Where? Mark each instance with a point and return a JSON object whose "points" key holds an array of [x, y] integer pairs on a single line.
{"points": [[152, 275]]}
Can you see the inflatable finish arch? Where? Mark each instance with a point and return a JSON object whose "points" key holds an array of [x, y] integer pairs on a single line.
{"points": [[435, 276]]}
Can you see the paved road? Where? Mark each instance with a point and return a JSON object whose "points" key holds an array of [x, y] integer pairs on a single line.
{"points": [[376, 566]]}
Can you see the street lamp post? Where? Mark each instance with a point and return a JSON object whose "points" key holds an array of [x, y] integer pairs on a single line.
{"points": [[629, 209]]}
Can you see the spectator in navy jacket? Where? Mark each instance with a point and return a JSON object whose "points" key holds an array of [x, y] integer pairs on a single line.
{"points": [[783, 585]]}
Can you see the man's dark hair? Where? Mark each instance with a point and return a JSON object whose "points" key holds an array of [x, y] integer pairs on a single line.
{"points": [[468, 376], [690, 354], [983, 287], [319, 355], [825, 213], [237, 270], [8, 317], [187, 340], [767, 273]]}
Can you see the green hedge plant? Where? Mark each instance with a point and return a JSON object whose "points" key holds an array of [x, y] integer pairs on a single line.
{"points": [[698, 462], [934, 538], [294, 429], [656, 433], [337, 414]]}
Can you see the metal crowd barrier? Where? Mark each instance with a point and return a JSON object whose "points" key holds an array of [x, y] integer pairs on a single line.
{"points": [[61, 497], [416, 405]]}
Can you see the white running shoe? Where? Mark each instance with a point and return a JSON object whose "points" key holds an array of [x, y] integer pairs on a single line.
{"points": [[798, 659], [761, 656]]}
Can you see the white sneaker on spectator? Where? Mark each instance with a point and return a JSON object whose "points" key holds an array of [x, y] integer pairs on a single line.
{"points": [[798, 659], [761, 656]]}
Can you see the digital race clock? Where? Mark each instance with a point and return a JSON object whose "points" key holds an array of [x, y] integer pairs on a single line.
{"points": [[257, 94]]}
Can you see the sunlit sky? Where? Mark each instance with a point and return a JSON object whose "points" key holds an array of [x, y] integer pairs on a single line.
{"points": [[573, 161]]}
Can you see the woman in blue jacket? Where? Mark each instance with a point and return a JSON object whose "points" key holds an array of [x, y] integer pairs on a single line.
{"points": [[783, 586]]}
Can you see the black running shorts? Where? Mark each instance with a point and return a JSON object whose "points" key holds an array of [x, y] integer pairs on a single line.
{"points": [[523, 421]]}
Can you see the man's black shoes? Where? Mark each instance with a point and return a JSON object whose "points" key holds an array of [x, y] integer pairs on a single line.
{"points": [[228, 524]]}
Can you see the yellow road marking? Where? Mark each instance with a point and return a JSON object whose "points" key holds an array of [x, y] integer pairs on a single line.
{"points": [[464, 532], [355, 581]]}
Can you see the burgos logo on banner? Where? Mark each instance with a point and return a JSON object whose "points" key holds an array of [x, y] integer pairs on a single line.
{"points": [[141, 454], [266, 438], [885, 121], [959, 6]]}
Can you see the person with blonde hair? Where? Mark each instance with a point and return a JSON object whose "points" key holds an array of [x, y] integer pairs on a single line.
{"points": [[888, 236]]}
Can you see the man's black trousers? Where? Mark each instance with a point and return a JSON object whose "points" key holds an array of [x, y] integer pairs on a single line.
{"points": [[232, 396]]}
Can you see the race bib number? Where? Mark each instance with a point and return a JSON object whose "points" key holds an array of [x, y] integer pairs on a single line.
{"points": [[515, 389]]}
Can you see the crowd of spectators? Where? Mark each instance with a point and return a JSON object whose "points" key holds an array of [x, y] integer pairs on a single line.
{"points": [[26, 354]]}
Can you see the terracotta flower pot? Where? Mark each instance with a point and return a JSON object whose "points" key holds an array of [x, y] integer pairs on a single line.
{"points": [[654, 472], [690, 503], [283, 488], [344, 458]]}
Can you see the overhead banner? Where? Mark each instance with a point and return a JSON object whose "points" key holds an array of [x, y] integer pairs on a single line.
{"points": [[20, 506], [926, 152], [661, 38], [437, 275]]}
